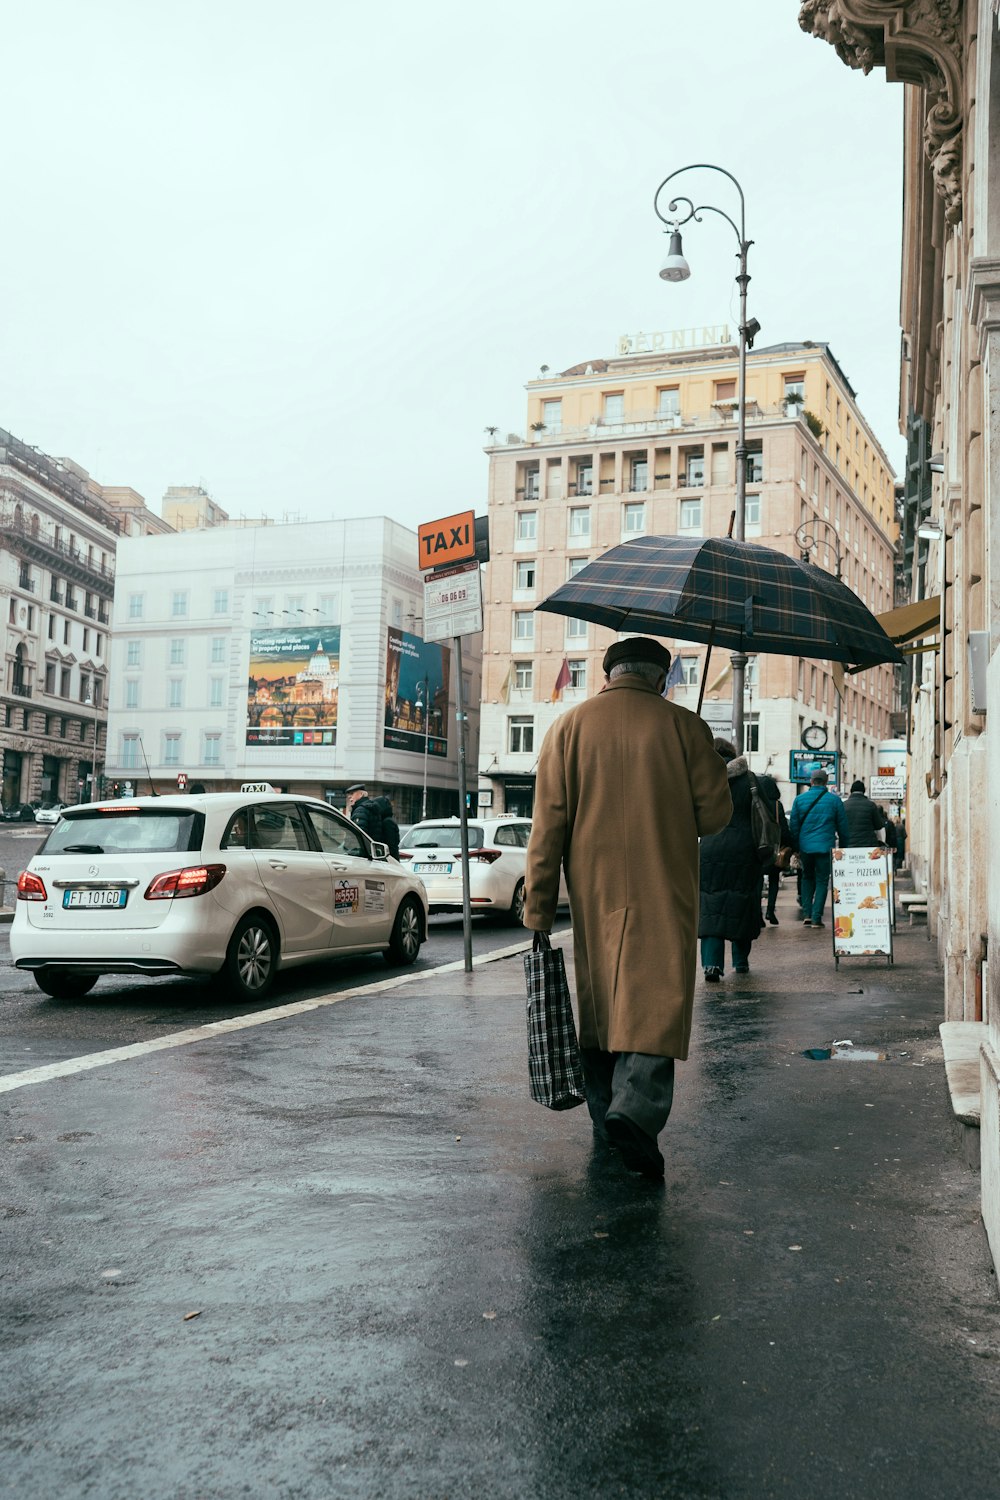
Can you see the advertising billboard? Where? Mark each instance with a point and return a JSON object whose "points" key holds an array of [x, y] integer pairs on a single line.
{"points": [[293, 687], [416, 694]]}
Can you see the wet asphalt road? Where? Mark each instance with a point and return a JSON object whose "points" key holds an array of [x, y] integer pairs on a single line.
{"points": [[412, 1282]]}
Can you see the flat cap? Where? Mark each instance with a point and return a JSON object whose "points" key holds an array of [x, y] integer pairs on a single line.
{"points": [[359, 786], [640, 648]]}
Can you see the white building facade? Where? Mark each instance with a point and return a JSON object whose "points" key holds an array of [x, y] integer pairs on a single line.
{"points": [[287, 654]]}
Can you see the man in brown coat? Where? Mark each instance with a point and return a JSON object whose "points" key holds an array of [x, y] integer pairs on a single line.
{"points": [[627, 782]]}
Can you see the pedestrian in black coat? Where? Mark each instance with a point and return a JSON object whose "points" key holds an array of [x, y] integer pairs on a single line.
{"points": [[390, 828], [864, 818], [731, 879]]}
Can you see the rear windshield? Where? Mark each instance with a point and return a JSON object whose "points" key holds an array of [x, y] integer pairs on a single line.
{"points": [[108, 830], [448, 837]]}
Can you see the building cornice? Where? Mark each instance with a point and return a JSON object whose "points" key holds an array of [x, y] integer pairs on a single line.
{"points": [[984, 299], [917, 42]]}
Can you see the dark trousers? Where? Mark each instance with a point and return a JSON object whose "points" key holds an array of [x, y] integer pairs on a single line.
{"points": [[635, 1084], [815, 883], [713, 953], [773, 886]]}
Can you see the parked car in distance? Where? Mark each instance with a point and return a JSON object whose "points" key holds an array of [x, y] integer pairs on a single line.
{"points": [[239, 884], [19, 812], [497, 855], [49, 812]]}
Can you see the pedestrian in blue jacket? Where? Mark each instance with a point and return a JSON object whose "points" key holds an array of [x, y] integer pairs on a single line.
{"points": [[817, 818]]}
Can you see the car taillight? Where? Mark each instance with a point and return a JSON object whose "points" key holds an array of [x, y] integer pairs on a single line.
{"points": [[194, 881], [485, 856], [31, 887], [406, 853]]}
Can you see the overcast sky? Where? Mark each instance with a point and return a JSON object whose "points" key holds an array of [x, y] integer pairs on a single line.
{"points": [[304, 253]]}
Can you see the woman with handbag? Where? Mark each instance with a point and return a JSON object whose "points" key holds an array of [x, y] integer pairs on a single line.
{"points": [[730, 877]]}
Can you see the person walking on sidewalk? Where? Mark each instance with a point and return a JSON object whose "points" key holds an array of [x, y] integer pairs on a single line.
{"points": [[626, 783], [731, 875], [864, 818], [774, 871], [817, 819]]}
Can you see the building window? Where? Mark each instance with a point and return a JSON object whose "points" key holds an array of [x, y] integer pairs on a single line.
{"points": [[579, 524], [521, 736], [524, 676], [210, 749], [694, 469], [52, 627], [725, 390], [576, 629], [397, 613], [215, 692], [179, 604], [65, 632], [585, 479], [263, 612], [552, 415], [328, 609], [634, 518], [527, 525], [130, 752], [524, 576], [524, 625], [753, 510], [135, 602], [578, 675], [689, 671], [795, 385], [690, 515], [575, 565], [177, 651], [171, 749], [50, 676], [614, 407], [64, 677], [132, 692], [218, 652], [220, 602], [668, 401], [755, 466], [639, 481], [175, 692], [531, 484]]}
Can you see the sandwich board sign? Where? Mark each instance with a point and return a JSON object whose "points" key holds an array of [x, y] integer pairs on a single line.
{"points": [[861, 896]]}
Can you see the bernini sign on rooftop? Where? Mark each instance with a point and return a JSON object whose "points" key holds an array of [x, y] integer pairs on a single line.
{"points": [[678, 338]]}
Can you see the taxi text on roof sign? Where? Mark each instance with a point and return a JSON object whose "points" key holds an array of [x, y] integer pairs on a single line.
{"points": [[450, 540]]}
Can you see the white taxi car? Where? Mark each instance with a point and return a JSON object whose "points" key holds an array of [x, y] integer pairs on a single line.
{"points": [[497, 857], [240, 884]]}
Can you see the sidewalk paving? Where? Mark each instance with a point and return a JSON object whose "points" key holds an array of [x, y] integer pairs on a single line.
{"points": [[411, 1281]]}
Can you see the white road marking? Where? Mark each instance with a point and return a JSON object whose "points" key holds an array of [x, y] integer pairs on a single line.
{"points": [[11, 1081]]}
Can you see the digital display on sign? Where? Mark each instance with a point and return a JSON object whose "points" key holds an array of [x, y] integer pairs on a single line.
{"points": [[294, 686], [416, 694]]}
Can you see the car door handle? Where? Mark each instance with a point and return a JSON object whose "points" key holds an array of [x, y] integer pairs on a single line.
{"points": [[335, 866], [277, 864]]}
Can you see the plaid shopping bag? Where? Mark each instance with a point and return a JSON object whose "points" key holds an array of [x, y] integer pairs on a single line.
{"points": [[553, 1051]]}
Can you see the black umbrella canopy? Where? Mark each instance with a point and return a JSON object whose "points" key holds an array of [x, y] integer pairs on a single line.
{"points": [[736, 595]]}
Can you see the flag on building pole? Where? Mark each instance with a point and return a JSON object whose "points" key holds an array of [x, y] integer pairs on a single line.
{"points": [[722, 679], [674, 676], [507, 684], [562, 682]]}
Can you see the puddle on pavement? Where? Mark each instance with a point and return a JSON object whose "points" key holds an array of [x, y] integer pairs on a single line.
{"points": [[844, 1052]]}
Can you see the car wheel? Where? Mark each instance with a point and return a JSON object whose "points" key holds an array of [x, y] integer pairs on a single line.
{"points": [[251, 958], [517, 905], [64, 986], [404, 944]]}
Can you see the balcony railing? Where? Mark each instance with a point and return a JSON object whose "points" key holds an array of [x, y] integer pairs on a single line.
{"points": [[45, 548], [90, 611], [26, 583], [651, 424], [21, 689], [55, 596], [103, 616]]}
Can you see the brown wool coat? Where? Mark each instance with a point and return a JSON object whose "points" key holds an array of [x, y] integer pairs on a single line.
{"points": [[626, 784]]}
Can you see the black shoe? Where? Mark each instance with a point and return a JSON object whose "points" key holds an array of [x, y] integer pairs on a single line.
{"points": [[807, 922], [712, 976], [772, 919], [819, 924], [741, 968], [638, 1150]]}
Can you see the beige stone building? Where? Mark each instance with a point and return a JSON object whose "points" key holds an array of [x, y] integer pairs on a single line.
{"points": [[644, 443], [947, 56]]}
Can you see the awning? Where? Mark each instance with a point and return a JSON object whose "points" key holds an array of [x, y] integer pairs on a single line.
{"points": [[912, 621]]}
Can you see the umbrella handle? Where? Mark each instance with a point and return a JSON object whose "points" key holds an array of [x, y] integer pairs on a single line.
{"points": [[704, 674]]}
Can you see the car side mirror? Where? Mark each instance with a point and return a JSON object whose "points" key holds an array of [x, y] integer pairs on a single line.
{"points": [[379, 851]]}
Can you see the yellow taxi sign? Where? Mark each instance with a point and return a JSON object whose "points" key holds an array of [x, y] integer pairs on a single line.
{"points": [[450, 540]]}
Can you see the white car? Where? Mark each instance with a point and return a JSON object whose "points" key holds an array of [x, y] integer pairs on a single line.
{"points": [[50, 813], [240, 884], [497, 855]]}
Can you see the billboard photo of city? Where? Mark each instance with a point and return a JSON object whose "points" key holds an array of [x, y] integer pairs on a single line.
{"points": [[416, 674], [293, 688]]}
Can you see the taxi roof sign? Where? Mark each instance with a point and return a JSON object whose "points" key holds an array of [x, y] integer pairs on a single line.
{"points": [[450, 540]]}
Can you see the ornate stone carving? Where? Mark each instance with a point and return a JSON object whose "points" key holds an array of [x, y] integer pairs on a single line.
{"points": [[918, 42]]}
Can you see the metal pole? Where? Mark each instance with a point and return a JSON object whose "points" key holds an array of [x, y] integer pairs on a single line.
{"points": [[840, 701], [427, 731], [463, 811], [738, 659]]}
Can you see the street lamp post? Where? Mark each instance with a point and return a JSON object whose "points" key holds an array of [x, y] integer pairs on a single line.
{"points": [[808, 543], [425, 683], [676, 268], [89, 703]]}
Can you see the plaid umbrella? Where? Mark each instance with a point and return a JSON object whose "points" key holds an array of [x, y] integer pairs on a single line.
{"points": [[736, 595]]}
